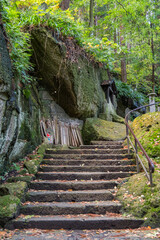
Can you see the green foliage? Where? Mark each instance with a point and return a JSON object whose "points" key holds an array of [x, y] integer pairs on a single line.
{"points": [[125, 90], [122, 28], [19, 41]]}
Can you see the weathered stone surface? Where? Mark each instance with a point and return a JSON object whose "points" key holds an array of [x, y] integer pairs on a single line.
{"points": [[98, 129], [75, 85], [26, 179], [32, 165], [80, 222], [5, 65], [67, 196], [16, 189], [9, 206]]}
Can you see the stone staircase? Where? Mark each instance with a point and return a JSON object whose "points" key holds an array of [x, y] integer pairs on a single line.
{"points": [[74, 189]]}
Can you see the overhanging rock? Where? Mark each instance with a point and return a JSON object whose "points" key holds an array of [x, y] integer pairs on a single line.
{"points": [[73, 83]]}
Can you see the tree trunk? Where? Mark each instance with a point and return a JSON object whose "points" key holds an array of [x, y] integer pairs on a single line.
{"points": [[64, 5], [123, 70], [91, 15], [123, 60], [153, 65]]}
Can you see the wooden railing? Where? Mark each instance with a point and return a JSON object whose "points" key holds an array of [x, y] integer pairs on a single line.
{"points": [[137, 144]]}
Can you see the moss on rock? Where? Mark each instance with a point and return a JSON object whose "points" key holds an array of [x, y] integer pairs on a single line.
{"points": [[140, 200], [42, 148], [32, 166], [9, 206], [147, 130], [26, 179], [77, 79], [16, 189], [98, 129]]}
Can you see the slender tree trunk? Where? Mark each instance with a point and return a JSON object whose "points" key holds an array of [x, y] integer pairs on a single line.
{"points": [[91, 15], [123, 70], [123, 60], [64, 5], [153, 64]]}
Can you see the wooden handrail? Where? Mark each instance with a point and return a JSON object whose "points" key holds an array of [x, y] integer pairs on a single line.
{"points": [[135, 148]]}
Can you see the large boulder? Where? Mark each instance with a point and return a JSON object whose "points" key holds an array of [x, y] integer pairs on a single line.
{"points": [[16, 189], [9, 207], [98, 129], [66, 71]]}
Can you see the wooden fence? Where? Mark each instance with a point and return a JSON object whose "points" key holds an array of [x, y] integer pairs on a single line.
{"points": [[58, 132]]}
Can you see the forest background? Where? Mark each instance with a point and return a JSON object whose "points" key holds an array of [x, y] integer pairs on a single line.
{"points": [[121, 35]]}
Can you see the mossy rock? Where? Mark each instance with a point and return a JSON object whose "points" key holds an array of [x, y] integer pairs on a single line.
{"points": [[141, 200], [147, 130], [98, 129], [9, 206], [23, 171], [32, 165], [80, 94], [42, 148], [26, 179], [16, 189]]}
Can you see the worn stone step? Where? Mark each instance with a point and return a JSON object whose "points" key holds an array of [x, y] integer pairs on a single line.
{"points": [[46, 168], [70, 208], [69, 196], [74, 185], [87, 156], [83, 175], [74, 222], [91, 162], [115, 143], [87, 151], [101, 147]]}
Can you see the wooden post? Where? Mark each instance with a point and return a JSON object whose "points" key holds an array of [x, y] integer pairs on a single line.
{"points": [[150, 175], [137, 162], [127, 134]]}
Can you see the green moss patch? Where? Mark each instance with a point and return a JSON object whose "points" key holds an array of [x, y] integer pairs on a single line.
{"points": [[16, 189], [32, 166], [26, 179], [8, 208], [147, 130], [98, 129], [141, 200], [137, 196]]}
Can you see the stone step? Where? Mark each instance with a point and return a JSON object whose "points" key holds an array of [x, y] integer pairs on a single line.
{"points": [[46, 168], [83, 175], [69, 196], [87, 156], [70, 208], [115, 143], [74, 222], [86, 151], [91, 162], [74, 185], [101, 147]]}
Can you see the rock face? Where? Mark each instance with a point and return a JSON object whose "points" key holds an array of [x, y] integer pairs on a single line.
{"points": [[20, 115], [98, 129], [66, 78], [73, 80]]}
